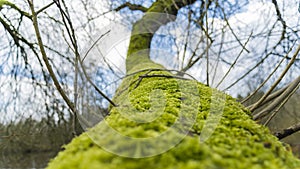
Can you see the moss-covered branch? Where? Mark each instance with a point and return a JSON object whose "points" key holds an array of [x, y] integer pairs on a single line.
{"points": [[236, 142], [131, 7], [13, 6], [144, 29]]}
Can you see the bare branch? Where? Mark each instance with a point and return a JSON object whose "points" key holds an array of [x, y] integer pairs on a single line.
{"points": [[288, 131], [278, 100], [278, 80], [15, 34], [44, 8], [281, 105], [45, 58], [71, 33], [165, 76], [94, 85], [94, 44], [232, 31], [267, 79], [187, 36], [13, 6], [235, 61], [174, 3], [192, 62], [273, 96], [279, 16], [131, 6], [207, 44]]}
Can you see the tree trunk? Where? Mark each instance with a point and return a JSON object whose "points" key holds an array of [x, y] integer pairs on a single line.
{"points": [[165, 121]]}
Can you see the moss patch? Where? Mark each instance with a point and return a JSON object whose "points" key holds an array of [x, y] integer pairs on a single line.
{"points": [[237, 142]]}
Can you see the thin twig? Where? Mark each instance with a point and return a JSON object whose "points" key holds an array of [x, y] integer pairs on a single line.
{"points": [[71, 33], [267, 79], [72, 36], [278, 100], [232, 31], [94, 44], [218, 56], [273, 96], [187, 37], [279, 16], [176, 6], [207, 44], [148, 76], [277, 81], [132, 74], [281, 105], [141, 77], [95, 86], [45, 58], [44, 8], [23, 13], [235, 61], [140, 80], [168, 70], [193, 62]]}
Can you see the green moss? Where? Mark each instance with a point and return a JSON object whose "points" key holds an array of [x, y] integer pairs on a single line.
{"points": [[142, 32], [237, 142], [4, 2]]}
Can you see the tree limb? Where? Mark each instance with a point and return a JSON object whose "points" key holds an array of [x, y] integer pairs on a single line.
{"points": [[45, 58], [279, 16], [281, 105], [272, 96], [278, 100], [268, 78], [7, 3], [44, 8], [288, 131], [254, 107], [131, 6], [71, 33], [15, 34], [235, 61], [144, 29]]}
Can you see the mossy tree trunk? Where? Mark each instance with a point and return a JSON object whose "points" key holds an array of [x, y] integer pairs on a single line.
{"points": [[237, 142], [144, 29]]}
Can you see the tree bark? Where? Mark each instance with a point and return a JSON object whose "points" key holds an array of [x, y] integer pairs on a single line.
{"points": [[144, 29]]}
